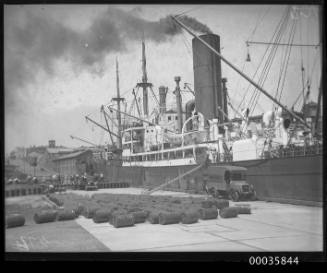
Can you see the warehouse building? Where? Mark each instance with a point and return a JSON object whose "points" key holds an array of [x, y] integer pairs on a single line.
{"points": [[74, 163]]}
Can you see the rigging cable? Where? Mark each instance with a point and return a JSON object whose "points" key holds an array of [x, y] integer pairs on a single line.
{"points": [[265, 71], [259, 21], [301, 51], [286, 68], [268, 64], [261, 61], [285, 63], [314, 64], [257, 95], [263, 57]]}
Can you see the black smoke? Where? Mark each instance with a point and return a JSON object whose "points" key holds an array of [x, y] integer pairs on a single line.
{"points": [[34, 42], [40, 41]]}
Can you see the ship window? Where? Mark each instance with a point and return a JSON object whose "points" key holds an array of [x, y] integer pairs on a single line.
{"points": [[127, 137], [125, 146], [169, 118], [189, 153]]}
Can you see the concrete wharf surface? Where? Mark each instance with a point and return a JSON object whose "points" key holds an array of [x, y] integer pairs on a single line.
{"points": [[270, 227]]}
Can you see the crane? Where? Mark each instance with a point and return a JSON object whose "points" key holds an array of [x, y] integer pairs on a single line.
{"points": [[105, 117], [101, 126], [83, 140]]}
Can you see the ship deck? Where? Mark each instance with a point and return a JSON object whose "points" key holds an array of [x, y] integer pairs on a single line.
{"points": [[270, 227]]}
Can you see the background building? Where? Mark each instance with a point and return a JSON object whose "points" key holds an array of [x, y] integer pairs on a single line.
{"points": [[74, 163]]}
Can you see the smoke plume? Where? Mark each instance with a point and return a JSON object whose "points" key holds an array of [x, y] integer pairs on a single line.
{"points": [[34, 43], [40, 41]]}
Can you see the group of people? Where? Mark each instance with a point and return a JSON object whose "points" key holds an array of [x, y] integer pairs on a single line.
{"points": [[84, 179], [28, 180]]}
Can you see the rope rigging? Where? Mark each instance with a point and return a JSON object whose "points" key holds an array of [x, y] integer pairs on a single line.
{"points": [[302, 68], [306, 77], [286, 66], [280, 23], [266, 69], [282, 67]]}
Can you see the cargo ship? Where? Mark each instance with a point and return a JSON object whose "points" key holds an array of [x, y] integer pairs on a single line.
{"points": [[281, 149]]}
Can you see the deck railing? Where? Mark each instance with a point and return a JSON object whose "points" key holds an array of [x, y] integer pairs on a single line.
{"points": [[316, 149], [179, 153]]}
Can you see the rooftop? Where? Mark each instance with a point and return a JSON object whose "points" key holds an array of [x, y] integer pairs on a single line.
{"points": [[59, 150], [72, 155]]}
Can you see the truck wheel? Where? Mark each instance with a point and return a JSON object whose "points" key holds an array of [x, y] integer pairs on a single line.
{"points": [[235, 196]]}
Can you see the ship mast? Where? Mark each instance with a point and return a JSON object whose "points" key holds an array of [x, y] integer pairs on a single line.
{"points": [[144, 84], [118, 99], [241, 73]]}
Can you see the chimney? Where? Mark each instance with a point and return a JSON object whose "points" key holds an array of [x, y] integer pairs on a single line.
{"points": [[224, 98], [162, 98], [177, 92], [207, 77], [52, 143]]}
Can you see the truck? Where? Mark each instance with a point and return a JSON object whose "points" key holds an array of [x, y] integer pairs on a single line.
{"points": [[229, 182]]}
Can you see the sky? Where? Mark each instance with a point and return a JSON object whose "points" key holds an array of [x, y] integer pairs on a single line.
{"points": [[60, 60]]}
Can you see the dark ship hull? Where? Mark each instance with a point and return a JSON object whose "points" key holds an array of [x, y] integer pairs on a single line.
{"points": [[295, 180]]}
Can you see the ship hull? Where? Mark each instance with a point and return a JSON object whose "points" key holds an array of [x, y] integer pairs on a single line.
{"points": [[295, 180]]}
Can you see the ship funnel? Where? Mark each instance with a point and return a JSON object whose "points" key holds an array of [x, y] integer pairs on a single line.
{"points": [[162, 98], [207, 78], [177, 92]]}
